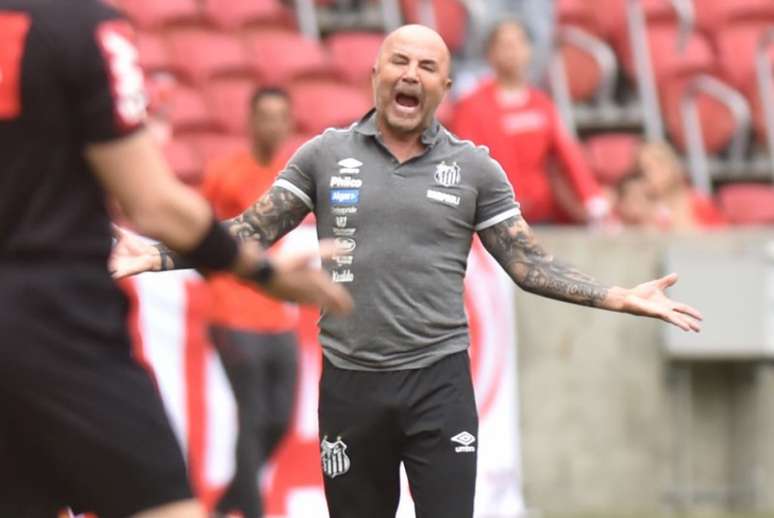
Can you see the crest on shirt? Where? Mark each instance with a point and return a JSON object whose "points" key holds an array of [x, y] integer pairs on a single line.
{"points": [[333, 455], [447, 174]]}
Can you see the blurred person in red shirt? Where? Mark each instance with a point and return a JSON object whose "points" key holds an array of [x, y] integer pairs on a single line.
{"points": [[679, 205], [523, 131], [254, 335]]}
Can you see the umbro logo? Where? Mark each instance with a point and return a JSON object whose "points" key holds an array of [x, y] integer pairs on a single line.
{"points": [[465, 440], [350, 166]]}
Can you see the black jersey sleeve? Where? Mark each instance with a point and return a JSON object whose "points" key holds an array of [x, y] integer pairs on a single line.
{"points": [[104, 71]]}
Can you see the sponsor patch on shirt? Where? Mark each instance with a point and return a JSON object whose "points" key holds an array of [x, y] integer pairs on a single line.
{"points": [[444, 197], [346, 182], [343, 260], [345, 196], [345, 244], [344, 232], [343, 211], [342, 275]]}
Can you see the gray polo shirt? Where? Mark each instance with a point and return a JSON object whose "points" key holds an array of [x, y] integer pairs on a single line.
{"points": [[405, 231]]}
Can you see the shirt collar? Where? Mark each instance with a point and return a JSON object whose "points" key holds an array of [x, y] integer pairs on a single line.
{"points": [[367, 126]]}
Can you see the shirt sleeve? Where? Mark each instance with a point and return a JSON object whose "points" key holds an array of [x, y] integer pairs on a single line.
{"points": [[299, 175], [496, 201], [102, 65]]}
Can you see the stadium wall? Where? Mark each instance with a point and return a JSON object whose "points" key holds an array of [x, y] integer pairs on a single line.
{"points": [[611, 423]]}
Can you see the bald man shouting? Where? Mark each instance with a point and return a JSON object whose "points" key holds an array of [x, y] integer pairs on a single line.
{"points": [[402, 197]]}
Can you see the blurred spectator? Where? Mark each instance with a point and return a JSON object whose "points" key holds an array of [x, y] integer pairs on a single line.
{"points": [[539, 20], [254, 334], [679, 206], [523, 130], [635, 205]]}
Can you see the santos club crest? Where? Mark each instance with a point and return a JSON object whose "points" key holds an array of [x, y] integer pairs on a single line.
{"points": [[447, 175], [334, 458]]}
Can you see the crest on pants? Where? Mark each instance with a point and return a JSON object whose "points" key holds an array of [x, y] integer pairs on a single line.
{"points": [[335, 461]]}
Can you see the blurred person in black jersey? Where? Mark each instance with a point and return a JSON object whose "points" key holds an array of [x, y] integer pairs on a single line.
{"points": [[404, 197], [83, 425]]}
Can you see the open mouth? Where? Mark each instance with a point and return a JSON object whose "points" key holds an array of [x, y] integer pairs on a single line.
{"points": [[407, 102]]}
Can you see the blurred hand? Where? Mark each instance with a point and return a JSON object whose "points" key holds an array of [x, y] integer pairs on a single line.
{"points": [[131, 255], [298, 278], [649, 299], [297, 274]]}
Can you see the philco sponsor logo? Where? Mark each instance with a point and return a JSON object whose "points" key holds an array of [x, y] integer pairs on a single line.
{"points": [[343, 260], [344, 232], [346, 181], [350, 166], [343, 210], [334, 458], [345, 196], [448, 175], [444, 197], [345, 244], [465, 440], [343, 276]]}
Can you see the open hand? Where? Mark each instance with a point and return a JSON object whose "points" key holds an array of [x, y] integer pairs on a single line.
{"points": [[131, 254], [649, 299]]}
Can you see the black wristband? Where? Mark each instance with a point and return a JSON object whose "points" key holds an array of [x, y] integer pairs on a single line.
{"points": [[264, 272], [217, 250]]}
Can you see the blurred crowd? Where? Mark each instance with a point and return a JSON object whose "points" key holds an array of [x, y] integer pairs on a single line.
{"points": [[501, 100]]}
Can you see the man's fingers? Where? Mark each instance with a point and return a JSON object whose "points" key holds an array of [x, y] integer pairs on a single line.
{"points": [[667, 281], [688, 310], [684, 322]]}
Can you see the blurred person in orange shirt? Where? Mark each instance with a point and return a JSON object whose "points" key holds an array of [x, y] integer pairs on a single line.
{"points": [[254, 334], [678, 205], [523, 131]]}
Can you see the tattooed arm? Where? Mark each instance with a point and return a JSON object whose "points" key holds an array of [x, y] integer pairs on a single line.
{"points": [[514, 246], [275, 214]]}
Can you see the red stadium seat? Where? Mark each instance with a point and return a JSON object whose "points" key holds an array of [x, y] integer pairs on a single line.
{"points": [[748, 204], [155, 13], [279, 57], [186, 110], [216, 146], [717, 122], [200, 54], [451, 19], [232, 14], [579, 13], [153, 52], [737, 45], [353, 55], [318, 105], [184, 161], [612, 156], [612, 18], [671, 60], [229, 100], [582, 72], [713, 15]]}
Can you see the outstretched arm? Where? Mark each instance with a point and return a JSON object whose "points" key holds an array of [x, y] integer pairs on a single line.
{"points": [[275, 214], [514, 246]]}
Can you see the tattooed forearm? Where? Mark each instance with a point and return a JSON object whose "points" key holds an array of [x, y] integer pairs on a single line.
{"points": [[274, 215], [277, 212], [514, 246]]}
